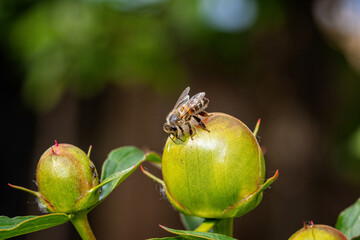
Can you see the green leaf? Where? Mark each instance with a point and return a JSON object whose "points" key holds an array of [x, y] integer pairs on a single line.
{"points": [[168, 238], [197, 235], [119, 177], [11, 227], [154, 159], [348, 221], [120, 163]]}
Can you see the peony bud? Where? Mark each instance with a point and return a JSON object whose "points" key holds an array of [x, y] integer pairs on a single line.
{"points": [[216, 174], [313, 232], [64, 176]]}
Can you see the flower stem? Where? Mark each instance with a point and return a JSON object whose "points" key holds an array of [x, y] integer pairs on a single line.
{"points": [[225, 227], [81, 223], [207, 225]]}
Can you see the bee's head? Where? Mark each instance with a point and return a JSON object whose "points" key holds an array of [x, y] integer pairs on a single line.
{"points": [[173, 118], [169, 128]]}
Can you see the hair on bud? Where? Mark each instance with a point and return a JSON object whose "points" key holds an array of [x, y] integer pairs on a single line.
{"points": [[42, 207]]}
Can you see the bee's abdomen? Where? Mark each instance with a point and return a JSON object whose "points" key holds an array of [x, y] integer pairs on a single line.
{"points": [[198, 105]]}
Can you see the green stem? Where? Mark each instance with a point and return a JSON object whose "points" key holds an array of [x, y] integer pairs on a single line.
{"points": [[225, 227], [81, 223], [206, 225]]}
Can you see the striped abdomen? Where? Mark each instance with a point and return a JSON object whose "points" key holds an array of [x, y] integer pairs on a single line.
{"points": [[194, 106]]}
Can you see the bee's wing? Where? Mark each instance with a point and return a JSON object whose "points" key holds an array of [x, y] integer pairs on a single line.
{"points": [[194, 100], [184, 97], [198, 96]]}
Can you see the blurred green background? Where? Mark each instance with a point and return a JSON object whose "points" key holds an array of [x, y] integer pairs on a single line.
{"points": [[107, 72]]}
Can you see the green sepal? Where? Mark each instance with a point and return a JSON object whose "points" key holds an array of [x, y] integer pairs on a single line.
{"points": [[36, 194], [257, 127], [156, 179], [177, 204], [11, 227], [348, 221], [48, 206], [197, 235], [247, 204]]}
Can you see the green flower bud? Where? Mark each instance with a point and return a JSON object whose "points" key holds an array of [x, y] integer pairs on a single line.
{"points": [[313, 232], [216, 174], [64, 176]]}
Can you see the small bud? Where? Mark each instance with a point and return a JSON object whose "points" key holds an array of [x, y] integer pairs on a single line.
{"points": [[64, 176], [318, 231], [215, 174]]}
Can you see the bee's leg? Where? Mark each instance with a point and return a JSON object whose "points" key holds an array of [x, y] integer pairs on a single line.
{"points": [[203, 114], [177, 134], [171, 136], [201, 124], [190, 130], [182, 131]]}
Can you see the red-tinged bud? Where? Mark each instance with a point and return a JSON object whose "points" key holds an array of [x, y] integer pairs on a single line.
{"points": [[318, 231], [64, 176]]}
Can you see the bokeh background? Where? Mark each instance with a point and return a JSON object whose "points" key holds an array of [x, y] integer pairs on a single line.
{"points": [[107, 72]]}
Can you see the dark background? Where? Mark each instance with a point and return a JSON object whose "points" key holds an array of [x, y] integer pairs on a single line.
{"points": [[107, 72]]}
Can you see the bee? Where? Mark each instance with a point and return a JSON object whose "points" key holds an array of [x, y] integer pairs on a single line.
{"points": [[185, 109]]}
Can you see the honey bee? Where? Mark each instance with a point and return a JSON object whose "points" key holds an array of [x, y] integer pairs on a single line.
{"points": [[185, 109]]}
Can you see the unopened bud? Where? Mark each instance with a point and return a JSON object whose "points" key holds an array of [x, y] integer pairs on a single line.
{"points": [[318, 231], [215, 174], [64, 176]]}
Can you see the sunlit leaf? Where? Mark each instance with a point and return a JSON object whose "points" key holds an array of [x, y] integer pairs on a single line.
{"points": [[11, 227], [120, 163], [348, 221]]}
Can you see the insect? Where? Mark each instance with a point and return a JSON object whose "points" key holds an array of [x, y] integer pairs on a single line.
{"points": [[185, 109]]}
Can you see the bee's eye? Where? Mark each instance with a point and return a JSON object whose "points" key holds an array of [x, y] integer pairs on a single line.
{"points": [[169, 128], [173, 118]]}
